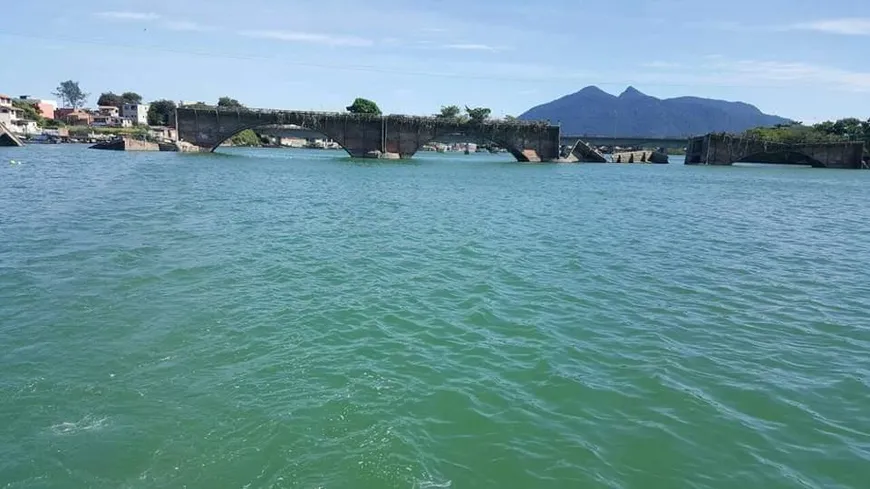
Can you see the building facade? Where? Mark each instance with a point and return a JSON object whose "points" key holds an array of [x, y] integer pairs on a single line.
{"points": [[137, 113], [105, 120], [73, 117], [108, 111], [8, 112], [24, 127]]}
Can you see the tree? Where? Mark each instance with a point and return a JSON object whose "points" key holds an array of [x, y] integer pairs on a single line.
{"points": [[71, 94], [29, 110], [110, 99], [52, 123], [199, 105], [849, 129], [246, 138], [364, 106], [510, 118], [161, 113], [230, 103], [449, 112], [131, 98], [477, 114]]}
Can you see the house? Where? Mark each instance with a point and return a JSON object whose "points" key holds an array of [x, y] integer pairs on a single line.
{"points": [[292, 142], [8, 112], [74, 117], [108, 111], [104, 120], [60, 132], [44, 108], [24, 127], [163, 133], [137, 113]]}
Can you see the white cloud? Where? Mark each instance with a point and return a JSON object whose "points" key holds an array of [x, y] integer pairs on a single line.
{"points": [[725, 72], [135, 16], [186, 25], [470, 47], [848, 27], [307, 37], [796, 73]]}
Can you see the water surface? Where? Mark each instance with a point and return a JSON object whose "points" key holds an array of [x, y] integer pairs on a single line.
{"points": [[279, 318]]}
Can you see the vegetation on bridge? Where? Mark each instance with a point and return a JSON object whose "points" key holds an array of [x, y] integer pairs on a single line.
{"points": [[850, 129], [364, 106], [478, 114], [454, 113], [451, 112], [229, 103]]}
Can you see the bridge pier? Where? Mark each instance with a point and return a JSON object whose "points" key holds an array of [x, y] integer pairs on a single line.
{"points": [[363, 135]]}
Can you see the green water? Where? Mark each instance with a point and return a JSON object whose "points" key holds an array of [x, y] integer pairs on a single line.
{"points": [[272, 318]]}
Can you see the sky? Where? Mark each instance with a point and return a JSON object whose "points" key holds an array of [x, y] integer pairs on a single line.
{"points": [[808, 60]]}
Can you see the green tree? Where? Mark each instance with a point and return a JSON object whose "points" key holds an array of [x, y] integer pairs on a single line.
{"points": [[510, 118], [449, 112], [246, 138], [52, 123], [850, 129], [110, 99], [199, 105], [364, 106], [161, 113], [131, 98], [71, 94], [29, 110], [229, 103], [478, 114]]}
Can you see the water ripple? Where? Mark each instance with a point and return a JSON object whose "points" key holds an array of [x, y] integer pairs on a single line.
{"points": [[298, 319]]}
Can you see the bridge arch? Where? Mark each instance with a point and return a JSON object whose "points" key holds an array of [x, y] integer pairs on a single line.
{"points": [[525, 141], [501, 141], [259, 126], [783, 157]]}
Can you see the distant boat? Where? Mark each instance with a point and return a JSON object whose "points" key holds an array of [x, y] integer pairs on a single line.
{"points": [[43, 139]]}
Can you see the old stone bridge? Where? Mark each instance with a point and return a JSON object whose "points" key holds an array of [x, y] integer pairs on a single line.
{"points": [[365, 135], [723, 149]]}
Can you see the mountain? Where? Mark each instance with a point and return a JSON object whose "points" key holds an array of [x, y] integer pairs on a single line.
{"points": [[594, 112]]}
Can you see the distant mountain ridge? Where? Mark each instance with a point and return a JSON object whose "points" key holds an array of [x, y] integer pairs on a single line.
{"points": [[594, 112]]}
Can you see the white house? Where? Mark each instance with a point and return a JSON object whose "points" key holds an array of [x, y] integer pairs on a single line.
{"points": [[24, 127], [138, 113], [8, 112], [110, 121]]}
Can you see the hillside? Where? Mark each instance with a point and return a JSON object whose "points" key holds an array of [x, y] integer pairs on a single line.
{"points": [[594, 112]]}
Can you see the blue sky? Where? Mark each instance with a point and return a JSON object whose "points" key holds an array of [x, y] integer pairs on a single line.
{"points": [[804, 59]]}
